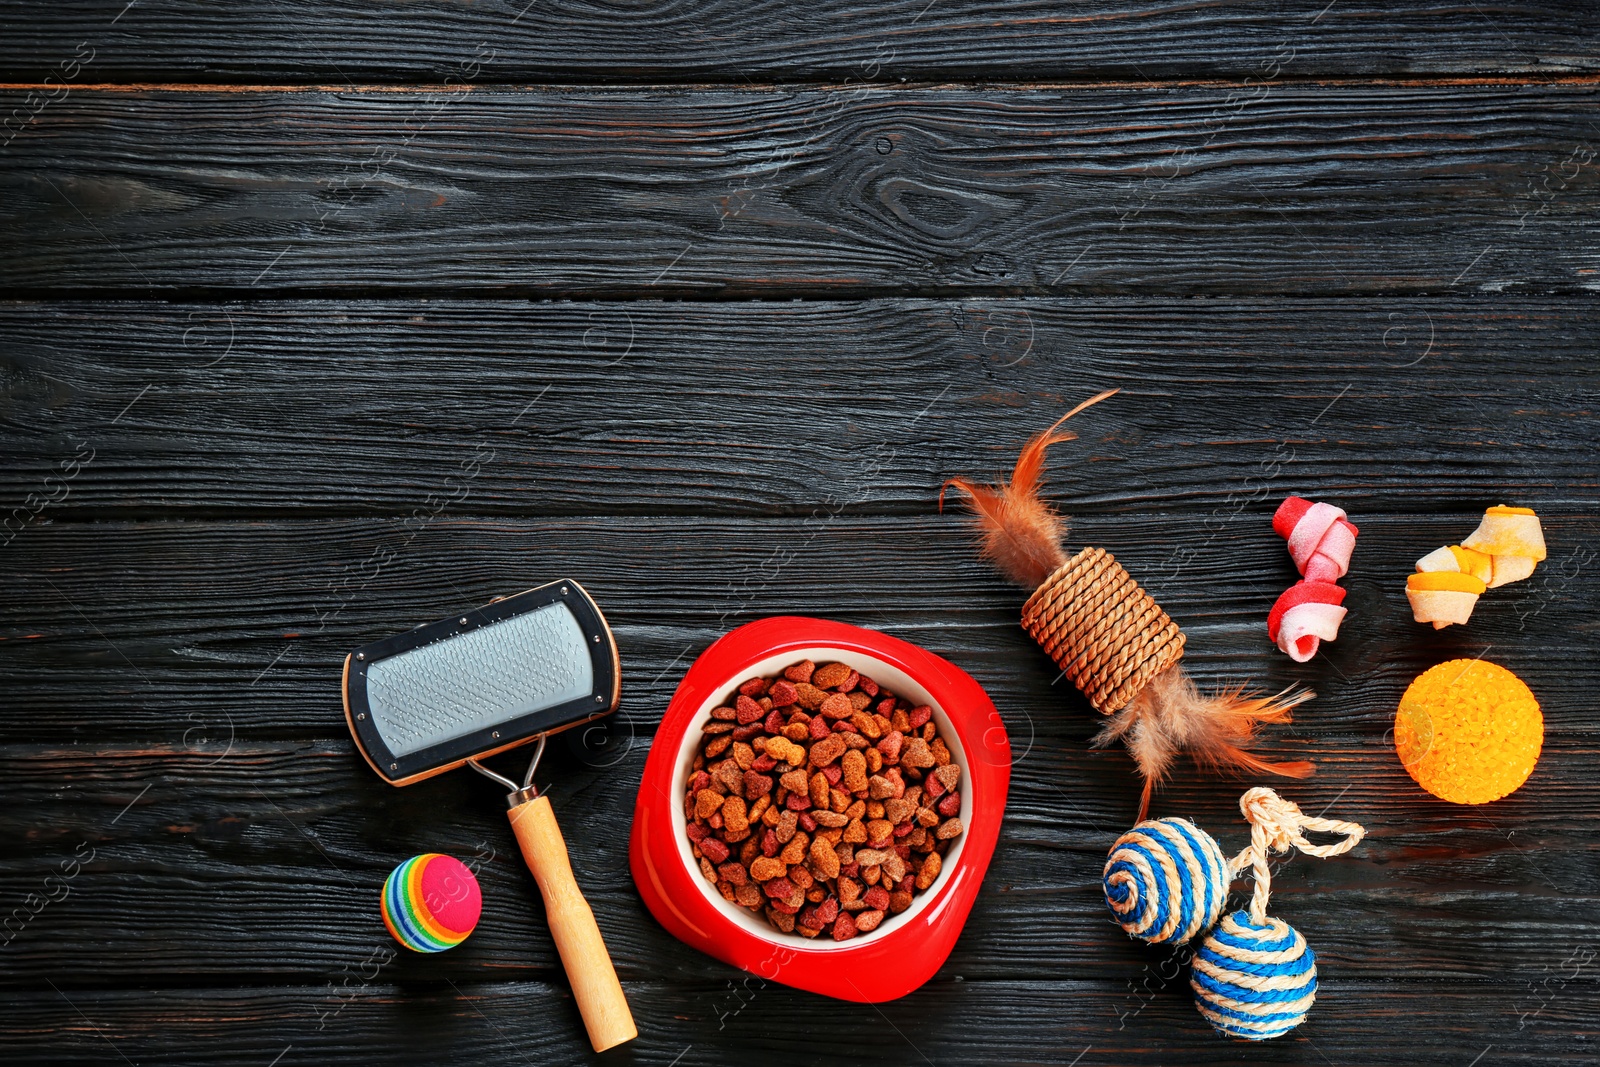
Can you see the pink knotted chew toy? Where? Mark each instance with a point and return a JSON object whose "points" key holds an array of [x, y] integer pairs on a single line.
{"points": [[1321, 539]]}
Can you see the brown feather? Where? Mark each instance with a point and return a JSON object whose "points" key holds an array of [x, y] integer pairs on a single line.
{"points": [[1019, 531], [1022, 534], [1170, 715]]}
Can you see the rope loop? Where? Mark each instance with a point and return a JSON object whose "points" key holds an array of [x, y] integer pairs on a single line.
{"points": [[1276, 825]]}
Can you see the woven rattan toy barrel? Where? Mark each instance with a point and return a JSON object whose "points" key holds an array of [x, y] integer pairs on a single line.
{"points": [[1104, 632]]}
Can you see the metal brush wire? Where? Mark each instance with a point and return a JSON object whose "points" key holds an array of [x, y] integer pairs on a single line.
{"points": [[518, 793]]}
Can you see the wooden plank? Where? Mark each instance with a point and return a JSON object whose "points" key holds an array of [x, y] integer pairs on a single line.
{"points": [[1182, 189], [274, 837], [210, 631], [332, 41], [708, 1024], [421, 410]]}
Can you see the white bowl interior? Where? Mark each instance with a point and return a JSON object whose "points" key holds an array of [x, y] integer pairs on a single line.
{"points": [[891, 678]]}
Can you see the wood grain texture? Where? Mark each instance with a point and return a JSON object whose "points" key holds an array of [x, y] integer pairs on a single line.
{"points": [[322, 319], [1188, 189], [227, 849], [708, 1024], [422, 410], [205, 632], [512, 40]]}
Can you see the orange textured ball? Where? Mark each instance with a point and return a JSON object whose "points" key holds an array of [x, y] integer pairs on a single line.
{"points": [[1469, 731]]}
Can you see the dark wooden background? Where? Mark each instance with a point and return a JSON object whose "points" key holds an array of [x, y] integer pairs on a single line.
{"points": [[325, 318]]}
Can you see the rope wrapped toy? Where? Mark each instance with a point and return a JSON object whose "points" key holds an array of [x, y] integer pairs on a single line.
{"points": [[1110, 637], [1253, 975]]}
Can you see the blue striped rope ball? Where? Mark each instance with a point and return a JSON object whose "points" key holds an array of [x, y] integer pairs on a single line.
{"points": [[1254, 982], [1166, 881]]}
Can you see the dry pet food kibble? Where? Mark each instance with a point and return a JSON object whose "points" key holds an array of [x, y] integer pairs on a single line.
{"points": [[822, 801]]}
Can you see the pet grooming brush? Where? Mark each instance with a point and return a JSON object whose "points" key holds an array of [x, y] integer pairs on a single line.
{"points": [[456, 691]]}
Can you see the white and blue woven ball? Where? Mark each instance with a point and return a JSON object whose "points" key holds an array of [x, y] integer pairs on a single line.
{"points": [[1166, 881], [1254, 981]]}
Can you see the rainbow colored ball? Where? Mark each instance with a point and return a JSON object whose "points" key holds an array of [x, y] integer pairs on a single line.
{"points": [[1166, 881], [431, 902], [1254, 982]]}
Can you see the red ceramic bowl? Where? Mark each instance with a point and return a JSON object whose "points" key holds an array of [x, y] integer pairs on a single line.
{"points": [[906, 949]]}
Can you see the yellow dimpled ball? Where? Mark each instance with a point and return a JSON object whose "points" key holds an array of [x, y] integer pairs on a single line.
{"points": [[1469, 731]]}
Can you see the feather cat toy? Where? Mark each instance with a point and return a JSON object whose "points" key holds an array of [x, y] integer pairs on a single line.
{"points": [[1107, 634]]}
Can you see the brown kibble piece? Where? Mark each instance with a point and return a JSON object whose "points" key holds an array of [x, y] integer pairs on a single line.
{"points": [[866, 725], [867, 921], [824, 860], [795, 850], [829, 675], [894, 867], [800, 672], [706, 802], [855, 832], [836, 706], [809, 696], [854, 765], [948, 829], [787, 821], [728, 775], [827, 750], [916, 753], [819, 790], [929, 870], [766, 868], [899, 901], [786, 751], [735, 821]]}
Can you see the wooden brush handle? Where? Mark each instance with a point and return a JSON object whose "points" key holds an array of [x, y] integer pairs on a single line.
{"points": [[583, 953]]}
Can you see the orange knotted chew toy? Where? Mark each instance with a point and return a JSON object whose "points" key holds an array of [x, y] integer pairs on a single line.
{"points": [[1107, 634]]}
